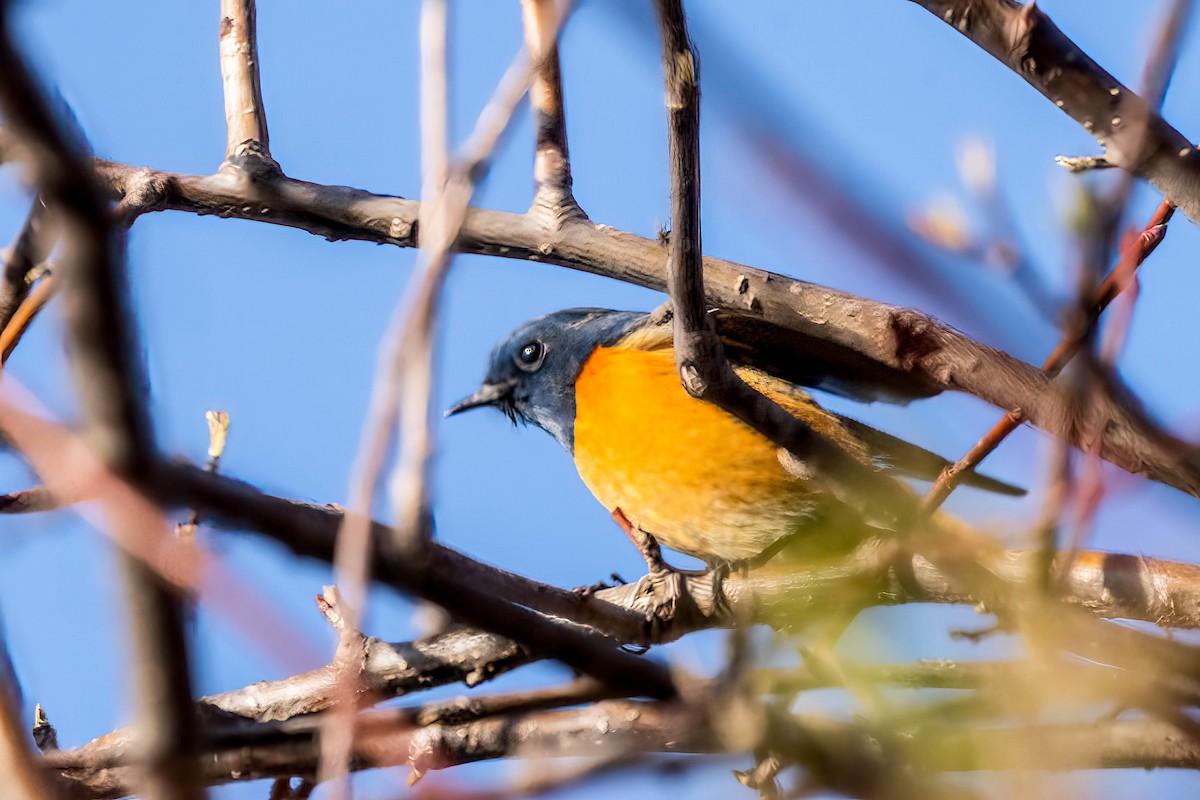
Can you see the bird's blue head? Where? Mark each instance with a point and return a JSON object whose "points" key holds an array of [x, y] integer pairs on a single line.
{"points": [[532, 373]]}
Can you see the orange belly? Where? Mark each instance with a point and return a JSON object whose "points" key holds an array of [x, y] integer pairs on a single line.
{"points": [[699, 480]]}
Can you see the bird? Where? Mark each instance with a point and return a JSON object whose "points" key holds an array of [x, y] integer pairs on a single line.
{"points": [[605, 385]]}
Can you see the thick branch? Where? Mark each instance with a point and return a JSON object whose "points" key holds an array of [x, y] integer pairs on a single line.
{"points": [[841, 755], [807, 333], [1133, 134], [311, 531], [1109, 585]]}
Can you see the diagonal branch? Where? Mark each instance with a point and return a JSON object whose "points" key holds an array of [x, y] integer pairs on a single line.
{"points": [[311, 530], [1135, 137], [1157, 73], [1121, 277], [1108, 585], [23, 315]]}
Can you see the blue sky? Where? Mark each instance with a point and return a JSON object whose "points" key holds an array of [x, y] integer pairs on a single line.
{"points": [[280, 328]]}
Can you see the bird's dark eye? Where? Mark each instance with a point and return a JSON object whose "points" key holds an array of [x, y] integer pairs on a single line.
{"points": [[530, 356]]}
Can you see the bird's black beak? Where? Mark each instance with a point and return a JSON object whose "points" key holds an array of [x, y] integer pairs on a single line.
{"points": [[489, 394]]}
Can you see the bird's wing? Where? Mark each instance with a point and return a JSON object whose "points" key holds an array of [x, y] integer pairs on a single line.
{"points": [[907, 458], [866, 443]]}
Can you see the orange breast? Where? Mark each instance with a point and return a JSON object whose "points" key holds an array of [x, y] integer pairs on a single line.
{"points": [[699, 480]]}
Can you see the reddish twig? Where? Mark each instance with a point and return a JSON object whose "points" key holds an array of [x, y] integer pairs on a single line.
{"points": [[31, 246], [1119, 279], [22, 317]]}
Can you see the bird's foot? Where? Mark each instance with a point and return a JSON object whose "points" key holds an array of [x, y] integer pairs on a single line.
{"points": [[666, 598], [613, 580], [588, 591], [646, 544], [762, 776], [665, 591]]}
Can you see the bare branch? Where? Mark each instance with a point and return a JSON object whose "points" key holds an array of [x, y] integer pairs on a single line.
{"points": [[403, 387], [1134, 136], [245, 116], [810, 334], [699, 353], [554, 201], [1109, 585], [1121, 277], [167, 739], [847, 757], [405, 378], [1159, 68], [310, 530], [387, 670]]}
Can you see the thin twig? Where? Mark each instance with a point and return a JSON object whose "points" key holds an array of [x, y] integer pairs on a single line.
{"points": [[404, 381], [554, 200], [20, 320], [1159, 68], [245, 116], [1115, 283], [218, 432], [31, 246], [28, 501]]}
